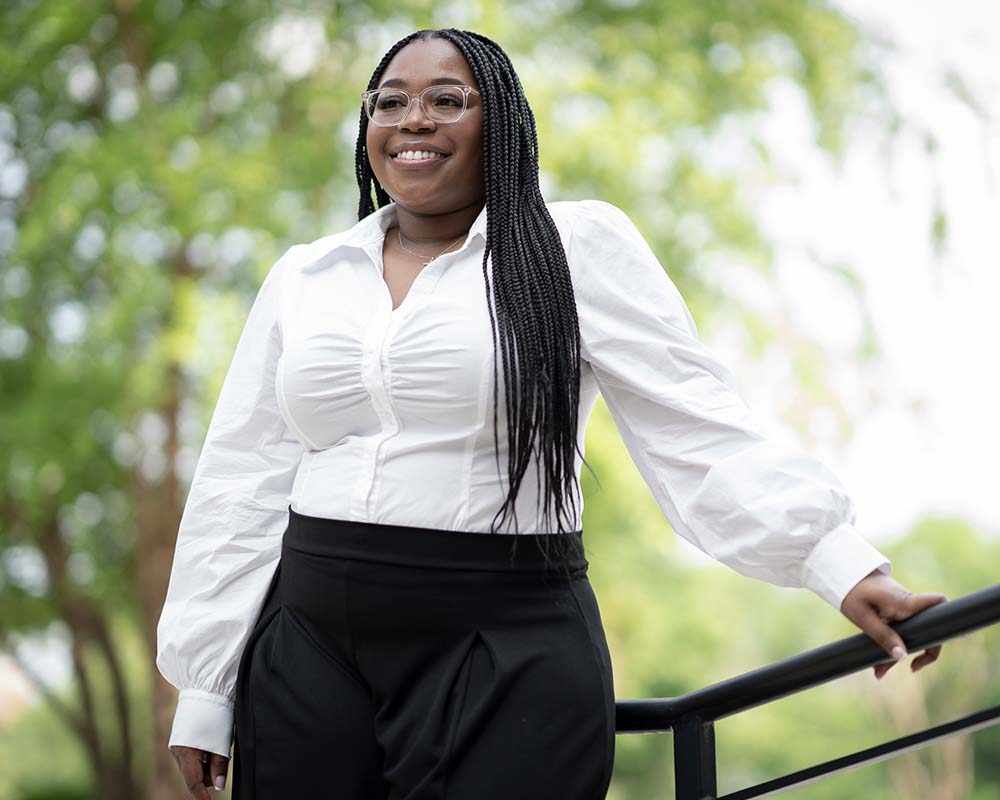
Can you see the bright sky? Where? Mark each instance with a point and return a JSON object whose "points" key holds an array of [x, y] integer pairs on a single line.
{"points": [[927, 425]]}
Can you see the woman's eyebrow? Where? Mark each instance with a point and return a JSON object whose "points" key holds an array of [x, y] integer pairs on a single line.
{"points": [[434, 81]]}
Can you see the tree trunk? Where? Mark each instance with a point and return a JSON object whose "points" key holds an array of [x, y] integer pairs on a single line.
{"points": [[112, 771]]}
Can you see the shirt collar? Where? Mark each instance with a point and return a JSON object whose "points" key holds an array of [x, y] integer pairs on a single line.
{"points": [[368, 231], [372, 228]]}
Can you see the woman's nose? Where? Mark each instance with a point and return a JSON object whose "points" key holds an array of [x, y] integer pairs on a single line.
{"points": [[421, 118]]}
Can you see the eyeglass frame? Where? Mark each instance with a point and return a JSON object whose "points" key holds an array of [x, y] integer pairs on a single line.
{"points": [[420, 97]]}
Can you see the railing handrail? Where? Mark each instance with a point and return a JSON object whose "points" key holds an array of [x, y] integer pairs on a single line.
{"points": [[947, 620]]}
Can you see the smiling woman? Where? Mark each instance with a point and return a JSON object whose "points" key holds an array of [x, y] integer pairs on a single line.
{"points": [[472, 664], [428, 101], [338, 608]]}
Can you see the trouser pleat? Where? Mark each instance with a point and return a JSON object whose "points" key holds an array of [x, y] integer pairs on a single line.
{"points": [[462, 676]]}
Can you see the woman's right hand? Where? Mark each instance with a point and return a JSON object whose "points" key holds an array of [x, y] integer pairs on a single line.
{"points": [[200, 770]]}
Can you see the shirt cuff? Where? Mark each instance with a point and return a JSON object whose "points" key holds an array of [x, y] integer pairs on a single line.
{"points": [[838, 563], [204, 721]]}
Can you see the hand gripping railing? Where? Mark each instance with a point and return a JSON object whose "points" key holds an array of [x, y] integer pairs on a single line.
{"points": [[692, 716]]}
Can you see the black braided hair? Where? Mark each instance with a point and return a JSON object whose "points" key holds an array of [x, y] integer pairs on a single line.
{"points": [[535, 306]]}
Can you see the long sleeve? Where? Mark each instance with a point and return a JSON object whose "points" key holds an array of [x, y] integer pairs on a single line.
{"points": [[229, 539], [763, 507]]}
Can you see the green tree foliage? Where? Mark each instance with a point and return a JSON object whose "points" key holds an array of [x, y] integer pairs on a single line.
{"points": [[159, 154], [675, 626]]}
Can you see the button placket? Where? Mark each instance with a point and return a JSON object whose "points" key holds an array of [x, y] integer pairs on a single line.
{"points": [[372, 379], [376, 371], [413, 300]]}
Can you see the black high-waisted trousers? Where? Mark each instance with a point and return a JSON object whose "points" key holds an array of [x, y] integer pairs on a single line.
{"points": [[399, 663]]}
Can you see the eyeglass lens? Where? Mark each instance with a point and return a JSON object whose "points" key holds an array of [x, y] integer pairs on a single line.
{"points": [[441, 103]]}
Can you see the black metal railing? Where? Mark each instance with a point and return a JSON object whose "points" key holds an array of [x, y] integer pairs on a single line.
{"points": [[692, 716]]}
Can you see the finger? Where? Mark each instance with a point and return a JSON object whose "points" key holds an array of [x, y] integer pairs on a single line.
{"points": [[928, 656], [915, 603], [219, 769], [881, 669], [193, 772], [878, 630]]}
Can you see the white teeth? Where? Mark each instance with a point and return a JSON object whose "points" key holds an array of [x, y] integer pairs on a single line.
{"points": [[415, 155]]}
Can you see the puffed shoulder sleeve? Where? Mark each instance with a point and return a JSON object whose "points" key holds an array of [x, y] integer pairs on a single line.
{"points": [[763, 507], [229, 538]]}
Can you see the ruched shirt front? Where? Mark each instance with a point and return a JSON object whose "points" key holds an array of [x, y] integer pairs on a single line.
{"points": [[340, 406]]}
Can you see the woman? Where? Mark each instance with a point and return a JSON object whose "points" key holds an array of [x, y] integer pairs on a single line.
{"points": [[336, 590]]}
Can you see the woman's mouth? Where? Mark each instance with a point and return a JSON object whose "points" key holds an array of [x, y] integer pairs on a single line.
{"points": [[417, 158]]}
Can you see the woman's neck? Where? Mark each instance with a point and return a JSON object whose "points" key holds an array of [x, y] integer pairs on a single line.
{"points": [[427, 230]]}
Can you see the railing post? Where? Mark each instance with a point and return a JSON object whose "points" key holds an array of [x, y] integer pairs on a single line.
{"points": [[694, 759]]}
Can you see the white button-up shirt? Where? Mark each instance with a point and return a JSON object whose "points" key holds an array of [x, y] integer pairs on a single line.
{"points": [[342, 407]]}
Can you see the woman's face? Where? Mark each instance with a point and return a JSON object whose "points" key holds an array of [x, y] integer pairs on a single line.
{"points": [[450, 183]]}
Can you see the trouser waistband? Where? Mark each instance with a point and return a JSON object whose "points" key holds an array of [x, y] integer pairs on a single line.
{"points": [[409, 545]]}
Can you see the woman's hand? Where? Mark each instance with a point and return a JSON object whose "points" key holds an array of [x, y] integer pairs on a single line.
{"points": [[200, 769], [878, 600]]}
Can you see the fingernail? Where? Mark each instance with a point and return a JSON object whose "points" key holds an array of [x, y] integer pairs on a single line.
{"points": [[220, 782], [898, 652]]}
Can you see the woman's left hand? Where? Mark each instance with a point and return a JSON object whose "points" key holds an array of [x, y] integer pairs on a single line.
{"points": [[878, 600]]}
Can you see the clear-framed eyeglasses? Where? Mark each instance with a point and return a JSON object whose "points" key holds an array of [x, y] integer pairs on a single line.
{"points": [[387, 107]]}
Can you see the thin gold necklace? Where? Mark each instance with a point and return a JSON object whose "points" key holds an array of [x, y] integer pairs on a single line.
{"points": [[399, 235]]}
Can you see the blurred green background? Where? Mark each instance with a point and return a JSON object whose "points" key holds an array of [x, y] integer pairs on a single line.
{"points": [[158, 156]]}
